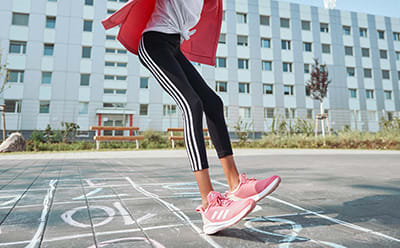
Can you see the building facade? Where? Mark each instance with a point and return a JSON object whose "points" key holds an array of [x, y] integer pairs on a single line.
{"points": [[65, 67]]}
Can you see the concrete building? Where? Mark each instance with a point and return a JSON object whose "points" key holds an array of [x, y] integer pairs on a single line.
{"points": [[65, 67]]}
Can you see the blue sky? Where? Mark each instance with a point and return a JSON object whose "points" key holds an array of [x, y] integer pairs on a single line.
{"points": [[381, 7]]}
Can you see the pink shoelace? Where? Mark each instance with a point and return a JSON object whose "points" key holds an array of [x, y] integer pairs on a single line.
{"points": [[221, 201]]}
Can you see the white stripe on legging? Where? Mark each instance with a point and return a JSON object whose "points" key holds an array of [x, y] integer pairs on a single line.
{"points": [[179, 96], [180, 104], [188, 140]]}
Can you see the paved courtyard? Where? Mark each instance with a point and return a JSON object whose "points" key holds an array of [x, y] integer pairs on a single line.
{"points": [[326, 198]]}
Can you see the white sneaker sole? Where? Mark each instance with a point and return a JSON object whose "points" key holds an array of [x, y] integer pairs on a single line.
{"points": [[268, 190], [215, 227]]}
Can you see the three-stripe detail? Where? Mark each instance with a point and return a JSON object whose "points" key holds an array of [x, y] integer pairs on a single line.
{"points": [[220, 214], [190, 137]]}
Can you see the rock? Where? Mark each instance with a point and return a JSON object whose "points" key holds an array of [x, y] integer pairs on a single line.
{"points": [[14, 143]]}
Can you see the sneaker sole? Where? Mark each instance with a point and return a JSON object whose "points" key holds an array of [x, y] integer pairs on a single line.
{"points": [[268, 190], [216, 227]]}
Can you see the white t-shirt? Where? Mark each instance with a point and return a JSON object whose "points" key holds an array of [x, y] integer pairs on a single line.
{"points": [[175, 16]]}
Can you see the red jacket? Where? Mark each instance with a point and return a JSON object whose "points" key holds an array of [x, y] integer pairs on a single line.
{"points": [[202, 45]]}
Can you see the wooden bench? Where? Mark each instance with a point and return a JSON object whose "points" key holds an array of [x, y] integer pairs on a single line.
{"points": [[120, 138], [173, 138]]}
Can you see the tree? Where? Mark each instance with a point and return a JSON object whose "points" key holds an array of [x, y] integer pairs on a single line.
{"points": [[4, 77], [317, 86]]}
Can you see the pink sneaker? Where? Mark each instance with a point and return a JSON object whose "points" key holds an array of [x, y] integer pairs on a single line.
{"points": [[250, 188], [222, 212]]}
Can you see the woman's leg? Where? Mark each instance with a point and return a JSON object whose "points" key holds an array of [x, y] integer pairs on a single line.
{"points": [[214, 111], [157, 53]]}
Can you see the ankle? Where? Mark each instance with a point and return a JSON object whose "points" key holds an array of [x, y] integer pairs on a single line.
{"points": [[204, 205]]}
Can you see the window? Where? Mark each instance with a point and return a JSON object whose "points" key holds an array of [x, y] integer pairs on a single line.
{"points": [[89, 2], [381, 34], [122, 51], [367, 73], [120, 92], [363, 32], [143, 109], [307, 47], [396, 36], [268, 89], [324, 27], [144, 82], [245, 112], [264, 20], [241, 17], [243, 64], [17, 47], [398, 56], [109, 64], [347, 30], [285, 23], [20, 19], [369, 94], [265, 43], [385, 74], [365, 52], [221, 86], [290, 113], [220, 62], [306, 68], [46, 77], [383, 54], [12, 106], [308, 92], [389, 116], [242, 40], [44, 107], [222, 39], [326, 48], [244, 87], [348, 51], [111, 37], [288, 90], [108, 91], [83, 108], [86, 52], [110, 11], [306, 25], [85, 78], [50, 21], [122, 78], [372, 115], [309, 113], [48, 49], [87, 25], [15, 76], [268, 113], [169, 109], [113, 105], [223, 15], [388, 94], [285, 44], [350, 71], [110, 50], [226, 111], [287, 67], [266, 65]]}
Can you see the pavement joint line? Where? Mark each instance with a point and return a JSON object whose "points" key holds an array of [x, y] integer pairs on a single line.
{"points": [[22, 195], [337, 221], [11, 168], [84, 235]]}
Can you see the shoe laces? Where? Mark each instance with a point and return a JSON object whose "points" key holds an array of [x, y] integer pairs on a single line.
{"points": [[221, 201], [246, 179]]}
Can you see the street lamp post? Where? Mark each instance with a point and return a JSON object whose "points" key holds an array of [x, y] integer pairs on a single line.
{"points": [[3, 110]]}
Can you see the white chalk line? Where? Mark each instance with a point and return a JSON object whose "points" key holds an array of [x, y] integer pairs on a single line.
{"points": [[84, 235], [43, 217], [13, 198], [337, 221], [125, 215], [175, 211]]}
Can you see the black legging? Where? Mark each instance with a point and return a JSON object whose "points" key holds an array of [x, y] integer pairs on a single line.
{"points": [[161, 54]]}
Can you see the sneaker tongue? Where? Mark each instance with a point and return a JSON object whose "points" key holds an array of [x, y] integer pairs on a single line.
{"points": [[242, 177], [212, 195]]}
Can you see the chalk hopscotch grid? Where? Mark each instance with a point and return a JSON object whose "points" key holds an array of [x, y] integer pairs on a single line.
{"points": [[349, 225]]}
